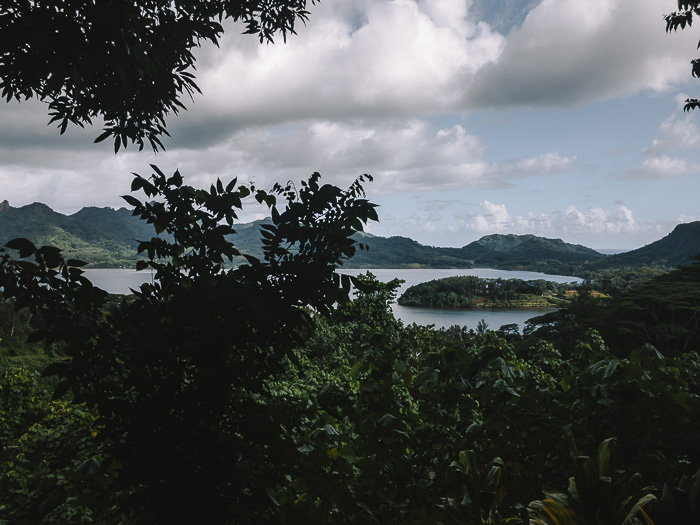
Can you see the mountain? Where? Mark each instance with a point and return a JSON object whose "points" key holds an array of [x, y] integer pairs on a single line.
{"points": [[105, 237], [521, 252], [507, 252], [674, 249]]}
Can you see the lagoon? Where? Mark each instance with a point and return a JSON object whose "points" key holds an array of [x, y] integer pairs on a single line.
{"points": [[121, 281], [444, 318]]}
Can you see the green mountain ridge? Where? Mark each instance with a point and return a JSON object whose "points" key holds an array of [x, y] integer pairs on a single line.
{"points": [[102, 237], [105, 237]]}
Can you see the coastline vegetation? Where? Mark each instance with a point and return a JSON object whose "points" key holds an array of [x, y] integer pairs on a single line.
{"points": [[475, 292]]}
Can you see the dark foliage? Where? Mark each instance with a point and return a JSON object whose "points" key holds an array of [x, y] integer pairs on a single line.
{"points": [[687, 9], [128, 63], [180, 374]]}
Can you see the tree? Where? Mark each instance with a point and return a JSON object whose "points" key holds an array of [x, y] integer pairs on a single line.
{"points": [[128, 63], [687, 9], [183, 374]]}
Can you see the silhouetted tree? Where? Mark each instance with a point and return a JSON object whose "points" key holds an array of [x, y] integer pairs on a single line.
{"points": [[687, 9], [127, 62], [181, 373]]}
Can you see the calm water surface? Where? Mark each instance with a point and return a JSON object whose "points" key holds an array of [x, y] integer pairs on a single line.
{"points": [[441, 318], [122, 281]]}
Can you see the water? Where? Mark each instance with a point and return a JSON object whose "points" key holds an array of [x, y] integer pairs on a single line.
{"points": [[121, 281], [118, 280], [443, 318]]}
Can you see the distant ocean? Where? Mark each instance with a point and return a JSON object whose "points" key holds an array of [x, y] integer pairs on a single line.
{"points": [[611, 251]]}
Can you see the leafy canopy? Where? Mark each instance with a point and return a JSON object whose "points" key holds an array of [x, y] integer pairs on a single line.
{"points": [[687, 9], [127, 62], [184, 369]]}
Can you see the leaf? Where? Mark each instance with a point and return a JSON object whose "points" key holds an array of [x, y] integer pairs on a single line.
{"points": [[133, 201], [558, 514], [157, 170], [61, 389], [23, 246], [103, 136], [606, 457], [59, 368], [610, 369], [330, 430], [355, 369]]}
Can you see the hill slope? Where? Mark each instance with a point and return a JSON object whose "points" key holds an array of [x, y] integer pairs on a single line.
{"points": [[109, 238], [99, 236], [674, 249], [507, 252]]}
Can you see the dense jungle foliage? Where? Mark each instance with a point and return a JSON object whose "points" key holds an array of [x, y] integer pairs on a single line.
{"points": [[263, 395]]}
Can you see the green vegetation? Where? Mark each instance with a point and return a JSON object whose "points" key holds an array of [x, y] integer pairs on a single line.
{"points": [[474, 292], [507, 252], [663, 311], [263, 395], [101, 237]]}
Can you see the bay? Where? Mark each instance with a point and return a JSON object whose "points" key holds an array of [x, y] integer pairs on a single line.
{"points": [[444, 318], [122, 281]]}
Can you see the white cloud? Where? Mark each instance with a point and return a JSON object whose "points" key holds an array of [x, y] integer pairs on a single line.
{"points": [[377, 86], [661, 167], [377, 58], [569, 52], [493, 217], [571, 221], [402, 154], [547, 163], [678, 132]]}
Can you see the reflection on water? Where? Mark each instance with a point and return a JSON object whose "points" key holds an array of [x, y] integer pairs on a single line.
{"points": [[122, 281]]}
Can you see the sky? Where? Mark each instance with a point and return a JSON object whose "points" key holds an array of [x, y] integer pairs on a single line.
{"points": [[558, 118]]}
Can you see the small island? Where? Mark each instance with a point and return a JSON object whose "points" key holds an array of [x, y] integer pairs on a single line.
{"points": [[474, 292]]}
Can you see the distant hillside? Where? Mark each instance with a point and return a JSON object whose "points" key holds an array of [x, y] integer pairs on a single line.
{"points": [[508, 252], [105, 237], [102, 237], [402, 252], [520, 252], [674, 249]]}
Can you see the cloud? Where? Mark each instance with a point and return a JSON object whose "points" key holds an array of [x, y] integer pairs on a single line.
{"points": [[493, 217], [678, 132], [571, 221], [677, 135], [366, 58], [569, 52], [661, 167], [545, 164], [403, 155]]}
